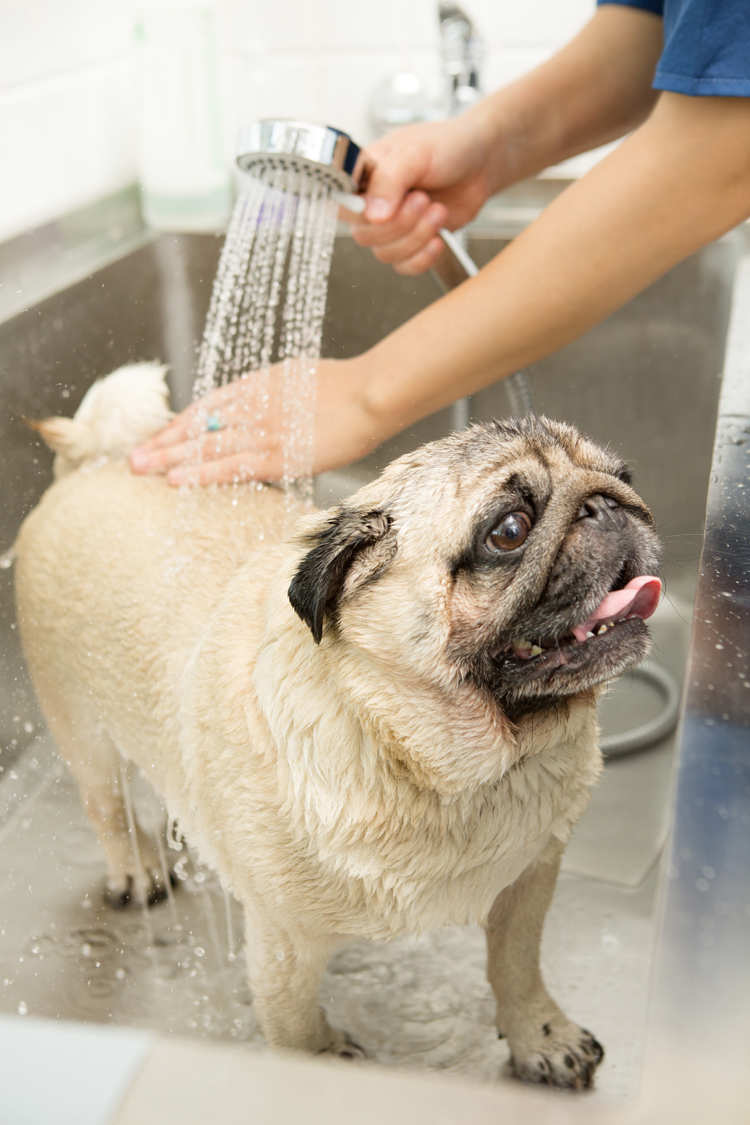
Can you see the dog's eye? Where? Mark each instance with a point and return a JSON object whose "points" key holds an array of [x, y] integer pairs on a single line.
{"points": [[510, 533]]}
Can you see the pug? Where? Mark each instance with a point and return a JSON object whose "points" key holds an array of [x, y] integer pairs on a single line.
{"points": [[382, 724]]}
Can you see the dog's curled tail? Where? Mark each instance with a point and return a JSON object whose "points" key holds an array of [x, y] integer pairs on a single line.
{"points": [[116, 414]]}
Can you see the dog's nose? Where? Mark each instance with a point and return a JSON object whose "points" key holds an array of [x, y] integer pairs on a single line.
{"points": [[597, 507]]}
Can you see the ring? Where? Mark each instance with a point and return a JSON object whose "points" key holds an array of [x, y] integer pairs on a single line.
{"points": [[214, 423]]}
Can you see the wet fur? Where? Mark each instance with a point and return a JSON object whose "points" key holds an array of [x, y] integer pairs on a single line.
{"points": [[328, 717]]}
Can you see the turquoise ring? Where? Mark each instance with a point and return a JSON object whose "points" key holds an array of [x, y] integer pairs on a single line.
{"points": [[214, 423]]}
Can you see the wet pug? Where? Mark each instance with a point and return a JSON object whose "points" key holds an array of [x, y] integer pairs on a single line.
{"points": [[384, 724]]}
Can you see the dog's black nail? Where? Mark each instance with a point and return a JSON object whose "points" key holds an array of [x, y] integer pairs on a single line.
{"points": [[591, 1045], [156, 895]]}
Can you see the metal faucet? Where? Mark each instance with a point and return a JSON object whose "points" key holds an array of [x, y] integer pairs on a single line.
{"points": [[402, 98], [462, 51]]}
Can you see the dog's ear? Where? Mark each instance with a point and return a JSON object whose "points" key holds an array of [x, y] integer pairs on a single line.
{"points": [[349, 537]]}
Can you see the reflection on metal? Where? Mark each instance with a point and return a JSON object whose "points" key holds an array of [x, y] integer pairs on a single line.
{"points": [[701, 983]]}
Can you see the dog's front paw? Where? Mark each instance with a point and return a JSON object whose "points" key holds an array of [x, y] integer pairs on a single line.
{"points": [[559, 1053]]}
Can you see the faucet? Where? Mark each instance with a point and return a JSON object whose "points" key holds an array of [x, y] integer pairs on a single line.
{"points": [[402, 98], [462, 50]]}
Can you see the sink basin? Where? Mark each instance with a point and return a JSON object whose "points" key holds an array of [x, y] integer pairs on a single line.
{"points": [[648, 382]]}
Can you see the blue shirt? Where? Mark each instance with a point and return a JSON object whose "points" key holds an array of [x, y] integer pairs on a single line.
{"points": [[706, 45]]}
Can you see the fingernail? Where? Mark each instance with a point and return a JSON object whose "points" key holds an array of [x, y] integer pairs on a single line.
{"points": [[140, 461], [378, 209]]}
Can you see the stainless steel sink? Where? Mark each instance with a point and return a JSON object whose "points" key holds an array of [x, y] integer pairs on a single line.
{"points": [[647, 381]]}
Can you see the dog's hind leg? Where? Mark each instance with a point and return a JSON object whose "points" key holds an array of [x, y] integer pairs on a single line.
{"points": [[546, 1047], [134, 869], [285, 975]]}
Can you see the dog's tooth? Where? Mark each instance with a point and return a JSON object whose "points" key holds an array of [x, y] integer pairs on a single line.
{"points": [[535, 650], [602, 629], [589, 634]]}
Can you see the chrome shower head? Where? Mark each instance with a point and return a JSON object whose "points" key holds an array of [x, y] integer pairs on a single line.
{"points": [[328, 154]]}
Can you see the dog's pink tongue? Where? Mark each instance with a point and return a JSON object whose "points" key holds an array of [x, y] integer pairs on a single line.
{"points": [[638, 599]]}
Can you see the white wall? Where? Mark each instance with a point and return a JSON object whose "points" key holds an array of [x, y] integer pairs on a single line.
{"points": [[67, 126], [69, 77]]}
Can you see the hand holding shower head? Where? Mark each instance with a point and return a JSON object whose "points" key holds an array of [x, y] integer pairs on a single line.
{"points": [[332, 156]]}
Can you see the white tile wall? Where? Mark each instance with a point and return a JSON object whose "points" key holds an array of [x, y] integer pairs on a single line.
{"points": [[69, 79], [67, 128], [42, 38], [66, 140]]}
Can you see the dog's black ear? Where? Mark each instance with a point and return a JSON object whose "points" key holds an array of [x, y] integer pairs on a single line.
{"points": [[317, 585]]}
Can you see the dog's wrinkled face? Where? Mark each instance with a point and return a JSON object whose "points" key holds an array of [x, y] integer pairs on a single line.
{"points": [[513, 555]]}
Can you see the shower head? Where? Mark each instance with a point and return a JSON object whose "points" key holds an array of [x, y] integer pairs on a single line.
{"points": [[328, 154]]}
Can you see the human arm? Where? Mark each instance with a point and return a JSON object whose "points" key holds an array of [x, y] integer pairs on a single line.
{"points": [[678, 182], [593, 90]]}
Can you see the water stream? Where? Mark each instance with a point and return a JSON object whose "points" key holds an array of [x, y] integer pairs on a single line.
{"points": [[263, 332], [265, 320]]}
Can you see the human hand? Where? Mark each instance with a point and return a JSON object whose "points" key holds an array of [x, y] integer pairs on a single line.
{"points": [[254, 429], [425, 177]]}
